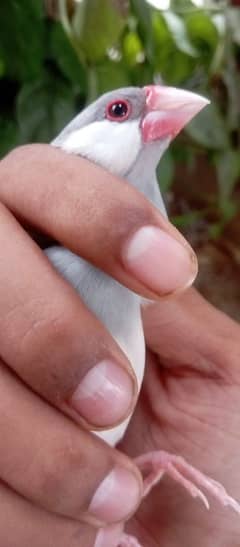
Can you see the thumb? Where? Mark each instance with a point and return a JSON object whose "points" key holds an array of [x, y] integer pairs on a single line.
{"points": [[188, 333]]}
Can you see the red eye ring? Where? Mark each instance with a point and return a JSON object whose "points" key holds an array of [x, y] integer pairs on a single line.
{"points": [[118, 110]]}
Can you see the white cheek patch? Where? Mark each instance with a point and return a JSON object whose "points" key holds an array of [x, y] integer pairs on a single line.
{"points": [[113, 145]]}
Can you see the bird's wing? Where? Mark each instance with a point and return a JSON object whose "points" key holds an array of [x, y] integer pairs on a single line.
{"points": [[114, 305]]}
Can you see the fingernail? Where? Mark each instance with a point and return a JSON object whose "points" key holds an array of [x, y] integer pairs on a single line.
{"points": [[109, 536], [116, 497], [159, 261], [105, 394]]}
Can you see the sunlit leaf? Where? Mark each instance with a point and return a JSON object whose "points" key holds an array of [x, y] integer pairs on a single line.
{"points": [[97, 26], [132, 48], [177, 28], [219, 20], [161, 31], [160, 4], [163, 43], [174, 65]]}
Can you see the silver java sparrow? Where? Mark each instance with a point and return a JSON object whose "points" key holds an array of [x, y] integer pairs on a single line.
{"points": [[126, 131]]}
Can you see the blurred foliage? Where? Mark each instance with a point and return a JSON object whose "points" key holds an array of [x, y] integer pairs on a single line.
{"points": [[58, 55]]}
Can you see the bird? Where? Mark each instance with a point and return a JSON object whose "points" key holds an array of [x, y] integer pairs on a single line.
{"points": [[126, 131]]}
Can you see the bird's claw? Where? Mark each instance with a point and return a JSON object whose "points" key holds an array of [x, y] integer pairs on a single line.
{"points": [[154, 464], [129, 541]]}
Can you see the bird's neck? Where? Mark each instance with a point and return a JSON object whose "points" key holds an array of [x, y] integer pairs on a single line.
{"points": [[143, 174]]}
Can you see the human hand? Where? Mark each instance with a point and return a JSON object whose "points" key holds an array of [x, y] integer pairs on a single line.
{"points": [[50, 463], [189, 405]]}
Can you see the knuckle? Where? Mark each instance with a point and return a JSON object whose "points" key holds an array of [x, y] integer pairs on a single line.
{"points": [[45, 340], [43, 344], [57, 476], [52, 329]]}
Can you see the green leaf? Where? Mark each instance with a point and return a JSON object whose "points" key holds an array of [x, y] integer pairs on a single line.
{"points": [[202, 32], [43, 108], [111, 75], [177, 28], [22, 43], [132, 48], [179, 70], [181, 66], [165, 171], [182, 5], [143, 16], [209, 129], [66, 57], [142, 13], [96, 27], [9, 135], [215, 230], [187, 219], [161, 32], [228, 209], [228, 172]]}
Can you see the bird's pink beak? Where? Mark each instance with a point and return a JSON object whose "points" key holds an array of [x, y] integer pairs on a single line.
{"points": [[168, 110]]}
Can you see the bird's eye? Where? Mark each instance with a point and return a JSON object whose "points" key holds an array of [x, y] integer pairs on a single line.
{"points": [[118, 111]]}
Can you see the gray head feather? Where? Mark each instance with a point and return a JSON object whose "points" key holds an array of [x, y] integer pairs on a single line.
{"points": [[96, 111]]}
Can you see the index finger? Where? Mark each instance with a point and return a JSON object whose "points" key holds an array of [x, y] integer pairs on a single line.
{"points": [[97, 216]]}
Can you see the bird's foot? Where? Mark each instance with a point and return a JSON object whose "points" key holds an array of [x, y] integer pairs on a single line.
{"points": [[154, 464], [129, 541]]}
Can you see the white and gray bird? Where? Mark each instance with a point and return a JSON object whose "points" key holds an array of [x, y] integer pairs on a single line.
{"points": [[126, 131]]}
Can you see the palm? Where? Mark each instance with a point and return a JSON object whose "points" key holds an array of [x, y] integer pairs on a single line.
{"points": [[189, 405]]}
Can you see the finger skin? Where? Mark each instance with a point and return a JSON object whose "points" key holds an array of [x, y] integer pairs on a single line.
{"points": [[47, 335], [23, 524], [48, 459], [205, 339], [44, 328], [85, 208]]}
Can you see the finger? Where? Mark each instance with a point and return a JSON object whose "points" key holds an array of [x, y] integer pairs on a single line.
{"points": [[188, 331], [47, 459], [50, 339], [102, 218], [24, 524]]}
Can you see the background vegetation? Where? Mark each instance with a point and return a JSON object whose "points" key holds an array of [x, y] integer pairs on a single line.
{"points": [[57, 55]]}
